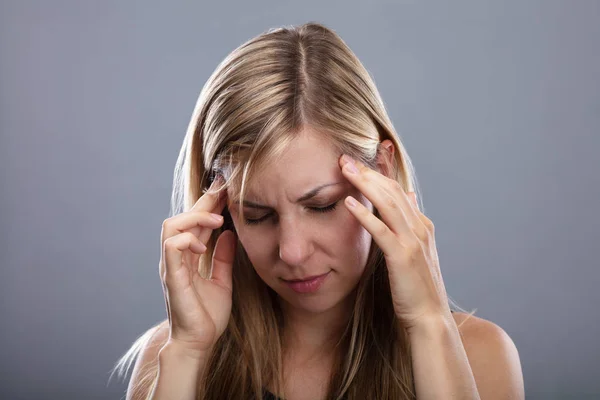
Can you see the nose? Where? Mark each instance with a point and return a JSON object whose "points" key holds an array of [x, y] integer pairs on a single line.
{"points": [[295, 245]]}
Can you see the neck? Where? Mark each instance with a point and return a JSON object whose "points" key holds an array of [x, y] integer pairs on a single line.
{"points": [[313, 336]]}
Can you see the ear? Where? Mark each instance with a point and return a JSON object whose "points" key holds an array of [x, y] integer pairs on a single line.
{"points": [[385, 157]]}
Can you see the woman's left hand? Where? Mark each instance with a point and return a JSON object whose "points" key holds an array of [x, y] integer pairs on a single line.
{"points": [[406, 237]]}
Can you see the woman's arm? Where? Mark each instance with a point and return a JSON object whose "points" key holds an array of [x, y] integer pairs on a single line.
{"points": [[178, 373], [483, 365]]}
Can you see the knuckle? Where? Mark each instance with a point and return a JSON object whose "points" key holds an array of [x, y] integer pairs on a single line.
{"points": [[170, 244], [429, 224], [391, 202], [381, 230], [396, 187], [165, 233], [423, 235]]}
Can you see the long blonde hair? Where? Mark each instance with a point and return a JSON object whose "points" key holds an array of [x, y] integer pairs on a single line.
{"points": [[257, 100]]}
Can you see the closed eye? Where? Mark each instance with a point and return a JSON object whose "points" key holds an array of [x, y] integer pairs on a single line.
{"points": [[325, 209]]}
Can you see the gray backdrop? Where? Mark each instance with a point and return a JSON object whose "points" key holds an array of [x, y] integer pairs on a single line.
{"points": [[496, 101]]}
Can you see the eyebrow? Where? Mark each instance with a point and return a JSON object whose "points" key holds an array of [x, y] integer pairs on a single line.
{"points": [[308, 195]]}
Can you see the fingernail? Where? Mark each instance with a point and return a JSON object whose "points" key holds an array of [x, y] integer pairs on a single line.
{"points": [[351, 201], [216, 217], [350, 167], [347, 159]]}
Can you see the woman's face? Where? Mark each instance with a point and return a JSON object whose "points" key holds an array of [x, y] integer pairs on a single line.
{"points": [[300, 226]]}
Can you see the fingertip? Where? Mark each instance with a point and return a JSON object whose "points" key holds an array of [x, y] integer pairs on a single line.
{"points": [[344, 159], [224, 245], [351, 201], [217, 181]]}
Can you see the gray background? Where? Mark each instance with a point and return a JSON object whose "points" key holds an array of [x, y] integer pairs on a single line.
{"points": [[496, 101]]}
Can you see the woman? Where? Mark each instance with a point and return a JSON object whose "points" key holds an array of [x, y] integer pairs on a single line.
{"points": [[296, 262]]}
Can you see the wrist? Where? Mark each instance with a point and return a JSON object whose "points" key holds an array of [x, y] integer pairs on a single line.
{"points": [[431, 326], [175, 350]]}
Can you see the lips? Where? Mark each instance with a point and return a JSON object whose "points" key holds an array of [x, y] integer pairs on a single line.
{"points": [[310, 278], [306, 286]]}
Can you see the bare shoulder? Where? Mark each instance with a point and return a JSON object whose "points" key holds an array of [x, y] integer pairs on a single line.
{"points": [[147, 360], [475, 330], [493, 357]]}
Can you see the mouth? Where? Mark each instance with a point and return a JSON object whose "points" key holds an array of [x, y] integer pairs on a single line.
{"points": [[307, 285], [309, 278]]}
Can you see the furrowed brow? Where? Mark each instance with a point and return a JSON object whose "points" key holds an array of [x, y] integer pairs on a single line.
{"points": [[308, 195], [315, 191], [251, 204]]}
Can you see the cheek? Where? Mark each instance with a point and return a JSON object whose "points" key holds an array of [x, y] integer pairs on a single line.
{"points": [[351, 231], [253, 244], [257, 247], [352, 242]]}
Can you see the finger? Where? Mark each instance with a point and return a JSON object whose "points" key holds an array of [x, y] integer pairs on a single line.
{"points": [[193, 222], [412, 196], [176, 275], [426, 221], [223, 256], [205, 233], [210, 198], [382, 235], [213, 202], [385, 194]]}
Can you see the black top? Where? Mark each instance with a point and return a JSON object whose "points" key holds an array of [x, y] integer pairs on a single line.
{"points": [[270, 396]]}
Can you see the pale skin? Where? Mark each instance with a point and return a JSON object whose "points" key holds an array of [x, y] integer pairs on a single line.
{"points": [[290, 241], [293, 240]]}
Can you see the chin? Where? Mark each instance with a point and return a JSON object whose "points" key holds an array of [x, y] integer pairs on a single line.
{"points": [[315, 304]]}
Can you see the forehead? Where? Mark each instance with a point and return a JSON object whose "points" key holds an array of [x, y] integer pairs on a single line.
{"points": [[308, 151], [307, 161]]}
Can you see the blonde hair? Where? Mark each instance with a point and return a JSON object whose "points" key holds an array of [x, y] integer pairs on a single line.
{"points": [[254, 104]]}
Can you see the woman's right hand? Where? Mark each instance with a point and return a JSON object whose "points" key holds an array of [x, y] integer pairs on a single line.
{"points": [[198, 308]]}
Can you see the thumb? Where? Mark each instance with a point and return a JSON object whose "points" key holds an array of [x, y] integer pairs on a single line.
{"points": [[223, 256]]}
